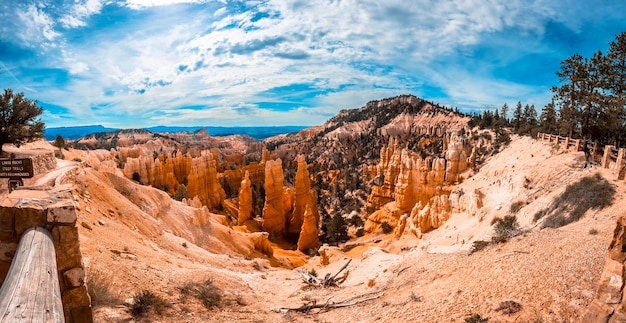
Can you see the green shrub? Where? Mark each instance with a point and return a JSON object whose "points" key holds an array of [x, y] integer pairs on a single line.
{"points": [[145, 300], [356, 221], [59, 154], [360, 232], [386, 227]]}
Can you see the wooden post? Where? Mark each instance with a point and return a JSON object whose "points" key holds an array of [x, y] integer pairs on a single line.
{"points": [[567, 143], [620, 158], [31, 291], [606, 158], [577, 145]]}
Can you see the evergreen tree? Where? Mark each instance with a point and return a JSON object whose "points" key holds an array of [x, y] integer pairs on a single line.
{"points": [[548, 119], [504, 110], [19, 119], [517, 116], [59, 142], [616, 85], [337, 229]]}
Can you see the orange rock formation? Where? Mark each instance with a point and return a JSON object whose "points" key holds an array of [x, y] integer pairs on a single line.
{"points": [[273, 210], [245, 200]]}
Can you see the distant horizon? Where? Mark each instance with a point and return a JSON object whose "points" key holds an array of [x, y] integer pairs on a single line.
{"points": [[134, 63], [256, 132]]}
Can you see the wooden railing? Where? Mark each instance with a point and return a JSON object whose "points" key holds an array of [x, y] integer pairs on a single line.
{"points": [[31, 292], [611, 157]]}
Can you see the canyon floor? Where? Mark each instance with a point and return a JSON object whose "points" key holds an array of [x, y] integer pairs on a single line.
{"points": [[133, 240]]}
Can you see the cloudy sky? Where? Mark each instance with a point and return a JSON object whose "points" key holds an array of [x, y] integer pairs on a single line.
{"points": [[139, 63]]}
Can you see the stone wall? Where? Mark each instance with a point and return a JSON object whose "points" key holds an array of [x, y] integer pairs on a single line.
{"points": [[609, 304], [55, 211]]}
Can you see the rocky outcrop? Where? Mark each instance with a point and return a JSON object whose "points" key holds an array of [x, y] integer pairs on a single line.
{"points": [[609, 304], [273, 210], [245, 201], [168, 172], [413, 193], [302, 197], [262, 243], [309, 233], [456, 157], [202, 180]]}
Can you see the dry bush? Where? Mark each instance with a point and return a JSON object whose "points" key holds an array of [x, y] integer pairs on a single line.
{"points": [[476, 318], [99, 287], [144, 300], [509, 307], [207, 293], [479, 245], [516, 206], [505, 228]]}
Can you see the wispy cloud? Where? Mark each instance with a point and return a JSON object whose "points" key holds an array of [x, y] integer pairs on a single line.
{"points": [[142, 62], [80, 11]]}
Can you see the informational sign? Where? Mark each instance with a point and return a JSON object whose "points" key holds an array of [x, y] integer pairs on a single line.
{"points": [[16, 168]]}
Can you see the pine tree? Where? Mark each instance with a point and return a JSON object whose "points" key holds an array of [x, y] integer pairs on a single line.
{"points": [[19, 119], [504, 110], [337, 229], [517, 116], [59, 142], [548, 119]]}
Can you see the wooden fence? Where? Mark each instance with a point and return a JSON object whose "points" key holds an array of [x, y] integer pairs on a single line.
{"points": [[611, 157]]}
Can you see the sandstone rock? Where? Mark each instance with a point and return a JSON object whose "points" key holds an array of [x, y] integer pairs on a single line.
{"points": [[273, 211], [302, 197], [245, 200], [74, 277], [611, 283], [598, 312], [399, 230], [309, 233], [617, 248], [86, 225], [76, 297], [324, 255], [202, 180], [262, 243], [62, 212], [456, 158], [67, 247], [389, 213]]}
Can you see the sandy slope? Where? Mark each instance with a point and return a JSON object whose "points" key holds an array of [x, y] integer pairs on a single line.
{"points": [[134, 239]]}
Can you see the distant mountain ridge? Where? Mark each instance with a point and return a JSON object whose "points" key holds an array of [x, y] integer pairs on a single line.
{"points": [[258, 133]]}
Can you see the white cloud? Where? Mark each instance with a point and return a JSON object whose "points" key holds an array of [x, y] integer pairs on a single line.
{"points": [[37, 26], [141, 4], [80, 11], [344, 53]]}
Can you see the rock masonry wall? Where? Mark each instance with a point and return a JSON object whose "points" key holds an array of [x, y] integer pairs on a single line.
{"points": [[54, 210]]}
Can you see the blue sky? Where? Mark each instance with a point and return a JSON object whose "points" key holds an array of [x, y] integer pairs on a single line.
{"points": [[140, 63]]}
